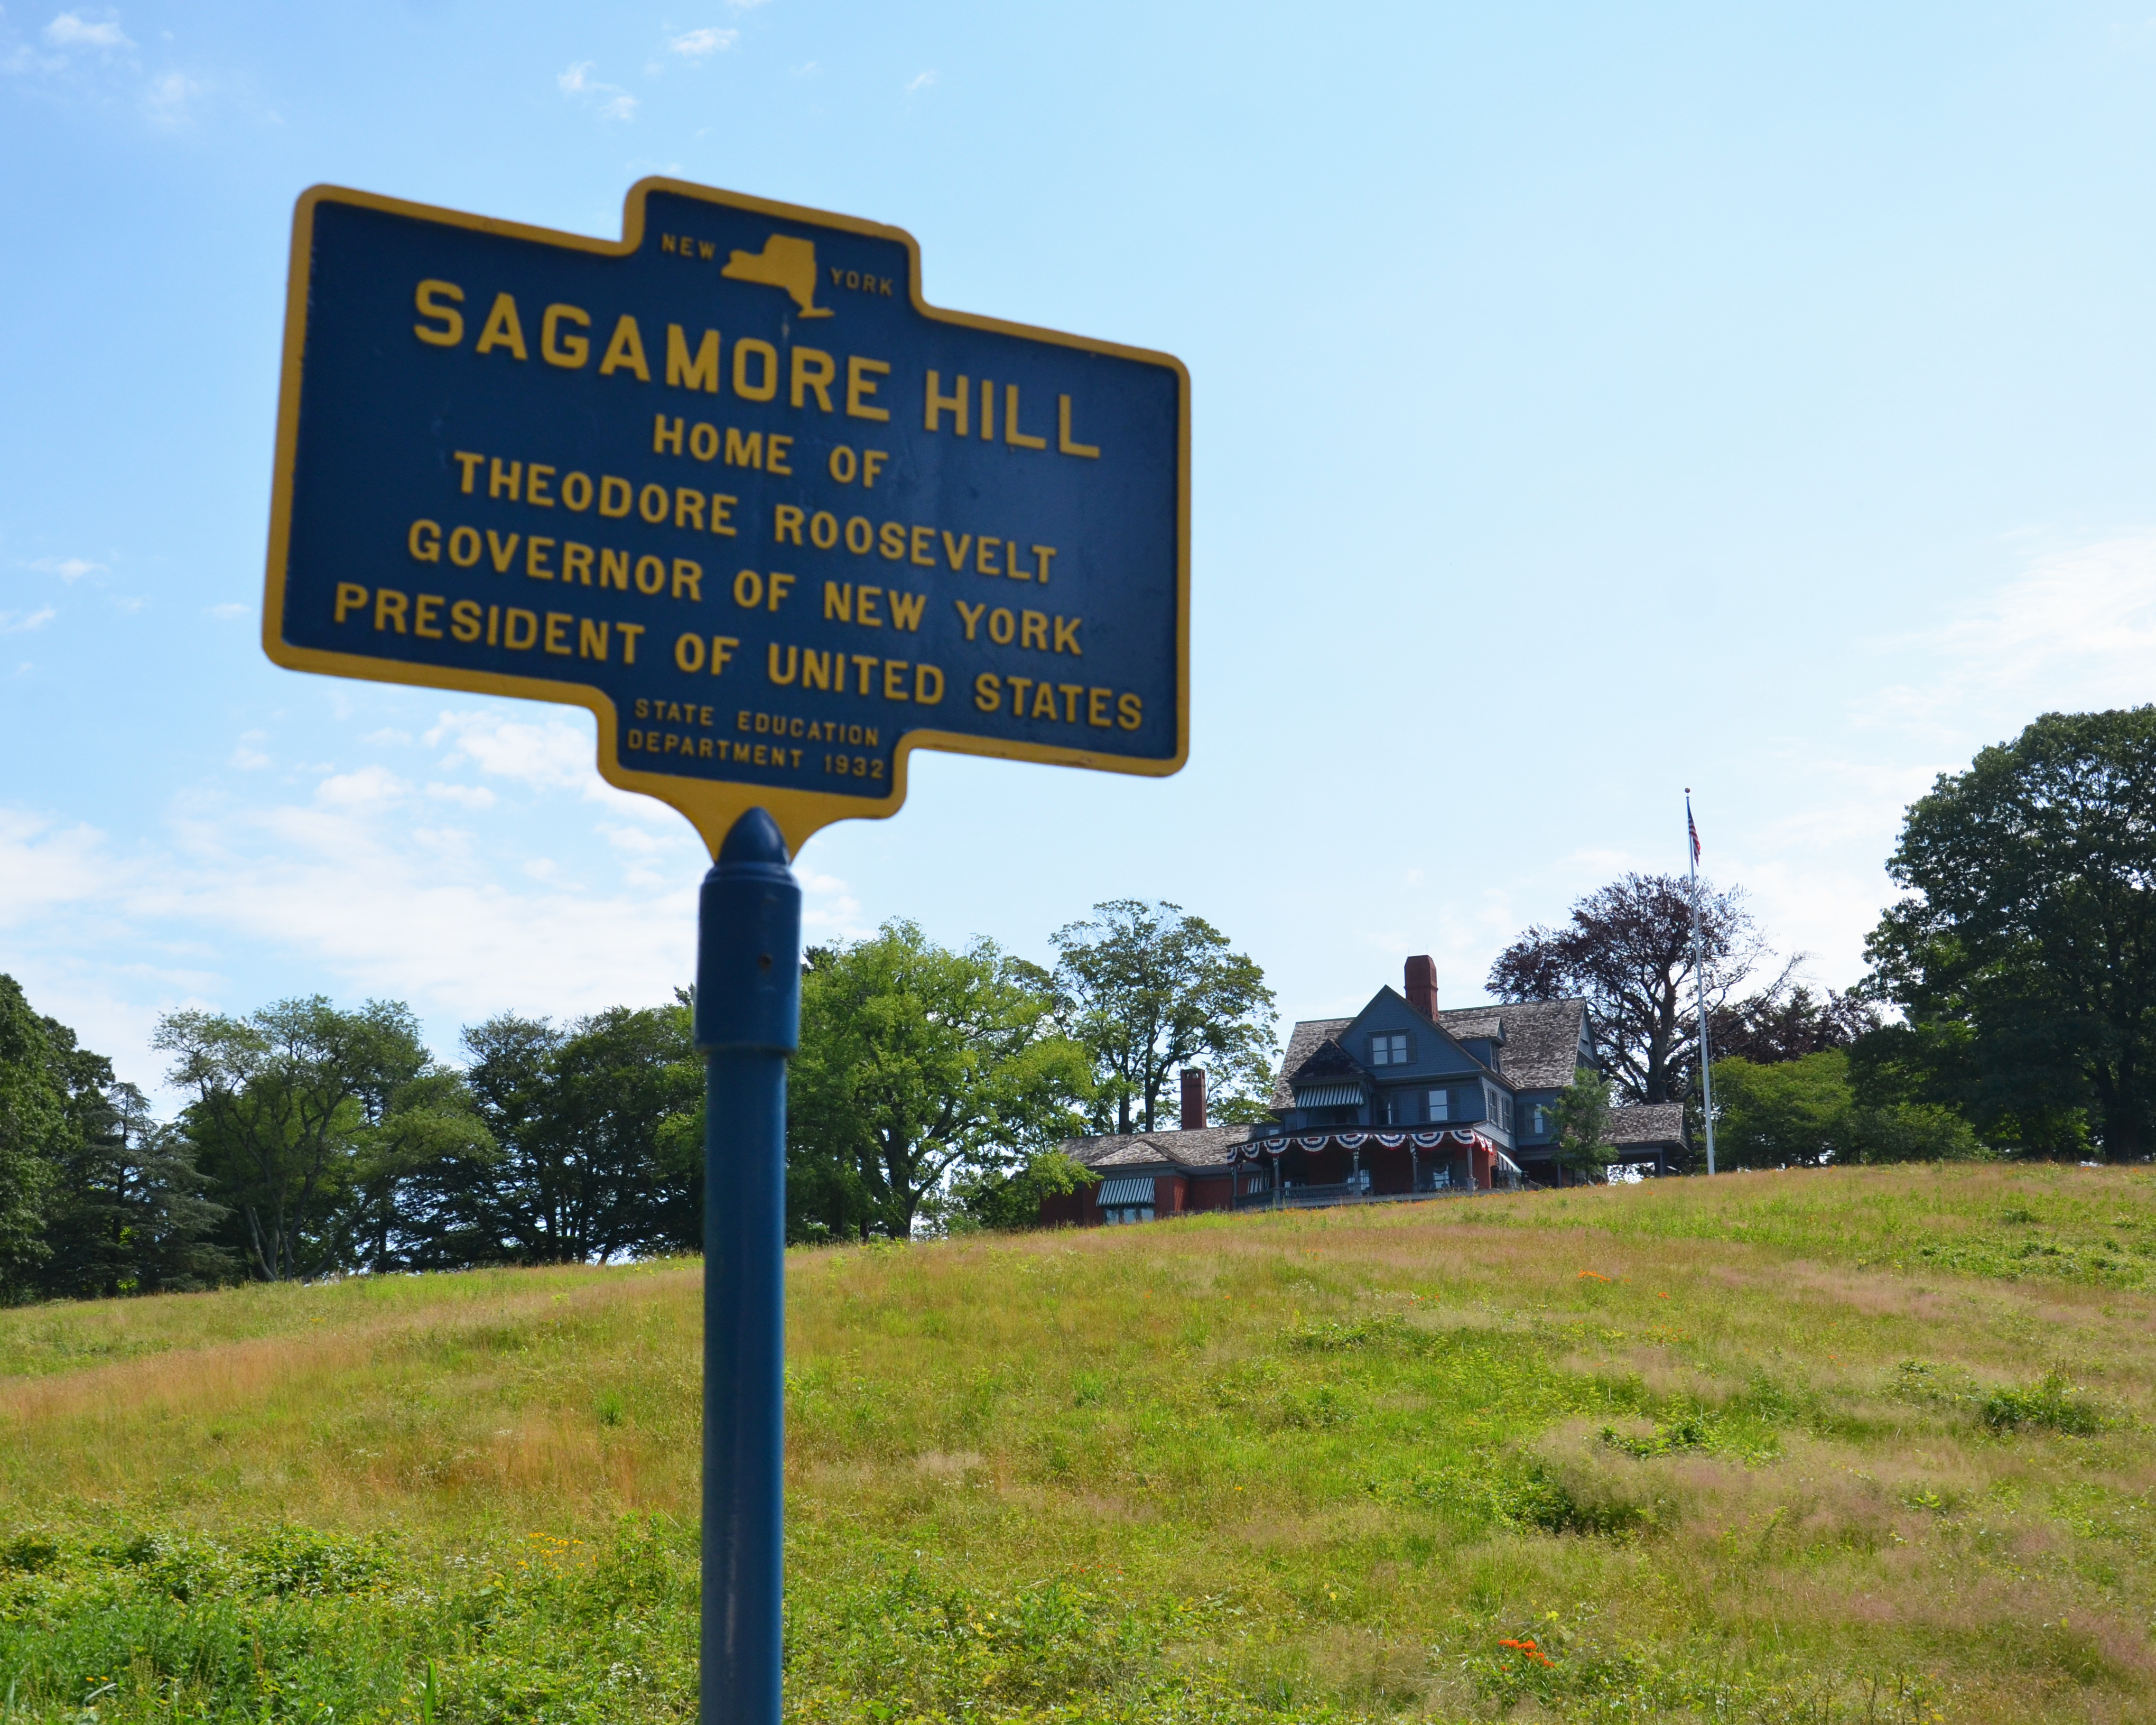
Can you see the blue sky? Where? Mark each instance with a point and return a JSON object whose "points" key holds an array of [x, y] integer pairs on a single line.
{"points": [[1589, 402]]}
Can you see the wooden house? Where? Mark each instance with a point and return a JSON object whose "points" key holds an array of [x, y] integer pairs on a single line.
{"points": [[1403, 1101]]}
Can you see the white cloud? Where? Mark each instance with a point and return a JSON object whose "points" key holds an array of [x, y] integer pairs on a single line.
{"points": [[467, 796], [71, 29], [16, 623], [922, 82], [614, 103], [387, 735], [69, 569], [229, 611], [696, 44], [171, 95], [543, 755]]}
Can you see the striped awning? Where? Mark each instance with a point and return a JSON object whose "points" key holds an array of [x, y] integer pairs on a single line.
{"points": [[1126, 1191], [1329, 1095]]}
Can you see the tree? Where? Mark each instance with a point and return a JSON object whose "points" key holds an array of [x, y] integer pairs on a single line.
{"points": [[2024, 959], [1148, 988], [127, 1213], [1582, 1125], [920, 1066], [1012, 1198], [1802, 1113], [1627, 951], [285, 1101], [599, 1128], [34, 1122], [1788, 1024]]}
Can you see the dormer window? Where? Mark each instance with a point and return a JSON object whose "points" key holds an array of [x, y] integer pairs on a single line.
{"points": [[1440, 1105], [1389, 1050]]}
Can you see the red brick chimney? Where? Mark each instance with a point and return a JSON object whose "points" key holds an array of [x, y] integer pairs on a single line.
{"points": [[1193, 1098], [1422, 985]]}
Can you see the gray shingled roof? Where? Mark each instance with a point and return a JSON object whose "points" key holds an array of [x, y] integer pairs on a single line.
{"points": [[1205, 1147], [1302, 1042], [1647, 1124], [1542, 1038], [1540, 1051]]}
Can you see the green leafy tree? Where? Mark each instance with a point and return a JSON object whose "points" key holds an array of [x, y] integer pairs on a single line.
{"points": [[287, 1103], [599, 1129], [2024, 958], [1012, 1198], [34, 1127], [1582, 1125], [1148, 988], [1802, 1113], [920, 1068], [128, 1215]]}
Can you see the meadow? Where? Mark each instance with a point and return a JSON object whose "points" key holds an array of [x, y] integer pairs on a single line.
{"points": [[1870, 1444]]}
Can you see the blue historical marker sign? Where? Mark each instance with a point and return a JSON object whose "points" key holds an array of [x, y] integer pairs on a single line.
{"points": [[734, 485]]}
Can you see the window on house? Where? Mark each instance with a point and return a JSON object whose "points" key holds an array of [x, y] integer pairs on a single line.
{"points": [[1440, 1105], [1542, 1120], [1390, 1050]]}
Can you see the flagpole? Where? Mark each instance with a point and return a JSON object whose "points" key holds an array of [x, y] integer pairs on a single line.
{"points": [[1699, 977]]}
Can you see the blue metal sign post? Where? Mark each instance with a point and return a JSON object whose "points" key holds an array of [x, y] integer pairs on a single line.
{"points": [[731, 484]]}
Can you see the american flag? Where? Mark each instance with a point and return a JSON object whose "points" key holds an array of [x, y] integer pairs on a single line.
{"points": [[1691, 828]]}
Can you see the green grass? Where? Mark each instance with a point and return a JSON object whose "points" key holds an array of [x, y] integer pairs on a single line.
{"points": [[1803, 1447]]}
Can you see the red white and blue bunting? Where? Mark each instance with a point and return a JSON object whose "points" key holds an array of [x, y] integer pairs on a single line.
{"points": [[1252, 1149]]}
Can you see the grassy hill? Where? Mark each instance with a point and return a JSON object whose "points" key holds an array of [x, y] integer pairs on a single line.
{"points": [[1860, 1446]]}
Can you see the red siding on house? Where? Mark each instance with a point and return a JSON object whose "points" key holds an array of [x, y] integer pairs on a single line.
{"points": [[1212, 1193]]}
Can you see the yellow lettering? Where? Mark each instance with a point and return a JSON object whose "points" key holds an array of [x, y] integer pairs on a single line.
{"points": [[928, 684], [987, 691], [557, 632], [865, 608], [813, 370], [894, 680], [464, 620], [688, 580], [465, 460], [688, 508], [389, 611], [689, 653], [859, 387], [924, 547], [576, 563], [748, 589], [873, 462], [837, 602], [1033, 630], [702, 371], [535, 558], [629, 632], [866, 663], [625, 352], [1066, 635], [534, 485], [985, 561], [956, 404], [503, 551], [424, 543], [787, 531], [1012, 434], [592, 640], [1129, 711], [780, 585], [722, 514], [452, 330], [722, 655], [891, 541], [502, 329], [615, 496], [969, 615], [613, 570], [744, 451], [567, 352], [1043, 702], [651, 575], [766, 357], [1097, 708], [504, 481], [775, 449], [792, 662], [349, 597], [520, 622], [906, 608], [1063, 438], [665, 435]]}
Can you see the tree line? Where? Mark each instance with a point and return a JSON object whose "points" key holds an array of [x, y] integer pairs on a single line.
{"points": [[931, 1087], [2010, 1009]]}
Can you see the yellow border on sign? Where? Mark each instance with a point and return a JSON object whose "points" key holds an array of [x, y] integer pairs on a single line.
{"points": [[711, 806]]}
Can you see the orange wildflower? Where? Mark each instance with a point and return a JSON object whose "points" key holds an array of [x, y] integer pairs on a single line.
{"points": [[1528, 1648]]}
